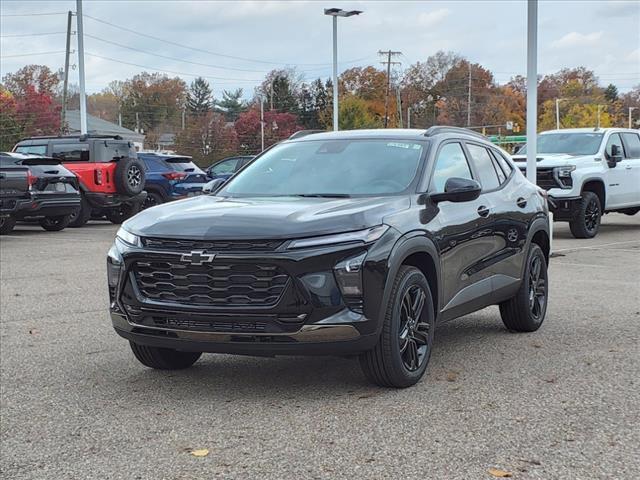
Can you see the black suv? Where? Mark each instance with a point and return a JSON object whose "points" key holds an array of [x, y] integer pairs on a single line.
{"points": [[356, 242]]}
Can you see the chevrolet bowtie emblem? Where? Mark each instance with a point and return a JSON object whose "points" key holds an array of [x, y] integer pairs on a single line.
{"points": [[198, 257]]}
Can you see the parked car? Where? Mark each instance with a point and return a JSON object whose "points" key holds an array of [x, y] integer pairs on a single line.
{"points": [[588, 172], [36, 188], [228, 166], [170, 177], [111, 176], [353, 242]]}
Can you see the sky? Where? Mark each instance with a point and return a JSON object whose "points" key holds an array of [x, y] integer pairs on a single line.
{"points": [[233, 44]]}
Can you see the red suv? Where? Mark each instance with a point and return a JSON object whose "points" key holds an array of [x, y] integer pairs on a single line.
{"points": [[110, 174]]}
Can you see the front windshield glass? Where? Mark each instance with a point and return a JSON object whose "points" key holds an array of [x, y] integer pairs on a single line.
{"points": [[568, 143], [331, 168]]}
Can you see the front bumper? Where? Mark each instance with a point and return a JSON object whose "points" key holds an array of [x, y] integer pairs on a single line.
{"points": [[47, 205], [302, 321], [564, 208]]}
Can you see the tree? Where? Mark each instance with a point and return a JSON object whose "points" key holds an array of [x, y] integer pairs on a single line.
{"points": [[356, 113], [231, 103], [278, 126], [207, 138], [611, 93], [9, 124], [280, 89], [199, 97], [104, 105], [39, 77]]}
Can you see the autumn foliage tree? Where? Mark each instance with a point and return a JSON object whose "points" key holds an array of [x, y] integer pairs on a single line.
{"points": [[278, 126]]}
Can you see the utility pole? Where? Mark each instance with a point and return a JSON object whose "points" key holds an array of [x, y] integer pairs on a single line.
{"points": [[558, 100], [388, 63], [119, 118], [399, 105], [262, 123], [271, 105], [469, 98], [631, 109], [83, 94], [532, 88], [184, 112], [408, 117], [598, 124], [137, 122], [63, 112]]}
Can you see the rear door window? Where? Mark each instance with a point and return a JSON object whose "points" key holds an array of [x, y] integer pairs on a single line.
{"points": [[484, 166], [71, 152], [632, 144]]}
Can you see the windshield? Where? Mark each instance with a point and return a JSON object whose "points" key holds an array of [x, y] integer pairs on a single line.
{"points": [[567, 143], [331, 168]]}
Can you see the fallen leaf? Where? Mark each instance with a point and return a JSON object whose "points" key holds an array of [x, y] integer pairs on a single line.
{"points": [[536, 345], [496, 472], [202, 452], [452, 376]]}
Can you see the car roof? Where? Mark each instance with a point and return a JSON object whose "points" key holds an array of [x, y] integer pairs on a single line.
{"points": [[69, 139], [394, 133], [589, 130]]}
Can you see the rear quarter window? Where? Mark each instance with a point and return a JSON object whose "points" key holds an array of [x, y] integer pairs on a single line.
{"points": [[70, 152]]}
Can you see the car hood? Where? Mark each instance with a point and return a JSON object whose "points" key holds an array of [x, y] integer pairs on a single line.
{"points": [[551, 159], [212, 217]]}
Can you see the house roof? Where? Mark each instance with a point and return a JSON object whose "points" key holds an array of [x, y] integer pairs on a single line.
{"points": [[97, 125]]}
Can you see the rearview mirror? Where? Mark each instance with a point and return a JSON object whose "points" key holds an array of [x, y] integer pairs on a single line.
{"points": [[458, 190], [213, 186], [615, 157]]}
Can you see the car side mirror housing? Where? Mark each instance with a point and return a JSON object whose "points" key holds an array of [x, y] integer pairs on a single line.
{"points": [[615, 157], [516, 149], [458, 190], [213, 186]]}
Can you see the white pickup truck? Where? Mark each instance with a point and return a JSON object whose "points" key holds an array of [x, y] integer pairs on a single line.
{"points": [[588, 172]]}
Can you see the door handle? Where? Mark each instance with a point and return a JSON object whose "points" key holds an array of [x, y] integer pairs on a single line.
{"points": [[628, 167], [483, 211], [521, 202]]}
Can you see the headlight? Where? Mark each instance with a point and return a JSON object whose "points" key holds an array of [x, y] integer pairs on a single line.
{"points": [[128, 237], [114, 266], [367, 235], [564, 172]]}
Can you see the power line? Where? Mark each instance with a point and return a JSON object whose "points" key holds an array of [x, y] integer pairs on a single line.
{"points": [[31, 34], [32, 54], [31, 14]]}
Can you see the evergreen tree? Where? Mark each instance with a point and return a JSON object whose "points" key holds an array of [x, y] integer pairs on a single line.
{"points": [[611, 93], [199, 97], [231, 103]]}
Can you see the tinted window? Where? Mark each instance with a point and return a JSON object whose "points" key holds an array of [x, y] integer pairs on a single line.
{"points": [[226, 166], [614, 140], [34, 149], [632, 142], [331, 167], [182, 164], [506, 166], [106, 151], [152, 164], [451, 162], [71, 152], [570, 143], [484, 166]]}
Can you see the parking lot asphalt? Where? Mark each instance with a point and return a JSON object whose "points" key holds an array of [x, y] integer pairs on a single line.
{"points": [[563, 402]]}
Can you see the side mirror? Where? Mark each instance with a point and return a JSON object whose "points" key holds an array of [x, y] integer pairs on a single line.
{"points": [[213, 186], [458, 190], [516, 149], [615, 157]]}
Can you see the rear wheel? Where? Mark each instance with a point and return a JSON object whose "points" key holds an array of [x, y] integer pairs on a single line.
{"points": [[82, 215], [55, 224], [6, 225], [123, 212], [163, 358], [525, 312], [587, 221], [153, 199], [401, 356], [129, 176]]}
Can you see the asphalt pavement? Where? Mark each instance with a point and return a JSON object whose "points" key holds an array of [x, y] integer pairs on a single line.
{"points": [[563, 402]]}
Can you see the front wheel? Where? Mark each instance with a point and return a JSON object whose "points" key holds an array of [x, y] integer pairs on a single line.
{"points": [[525, 312], [153, 199], [6, 225], [123, 212], [81, 216], [55, 224], [587, 220], [401, 356], [163, 358]]}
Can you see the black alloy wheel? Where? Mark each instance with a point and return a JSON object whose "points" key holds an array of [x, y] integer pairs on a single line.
{"points": [[592, 214], [134, 176], [586, 220], [537, 287], [413, 334]]}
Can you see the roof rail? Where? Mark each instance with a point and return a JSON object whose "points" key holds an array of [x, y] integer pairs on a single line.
{"points": [[436, 130], [80, 136], [304, 133]]}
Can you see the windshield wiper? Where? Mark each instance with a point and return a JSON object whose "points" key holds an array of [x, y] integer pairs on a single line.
{"points": [[323, 195]]}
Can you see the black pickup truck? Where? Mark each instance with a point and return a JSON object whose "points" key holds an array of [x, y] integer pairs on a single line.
{"points": [[36, 188]]}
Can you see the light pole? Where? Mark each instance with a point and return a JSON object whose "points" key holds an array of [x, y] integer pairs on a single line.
{"points": [[83, 95], [558, 100], [631, 109], [262, 123], [532, 88], [335, 13]]}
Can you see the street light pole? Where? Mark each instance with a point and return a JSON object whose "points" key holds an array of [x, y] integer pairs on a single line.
{"points": [[558, 100], [335, 13], [631, 109], [262, 123], [532, 88], [83, 95]]}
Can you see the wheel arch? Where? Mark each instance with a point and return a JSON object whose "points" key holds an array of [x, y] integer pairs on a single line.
{"points": [[539, 233], [595, 185]]}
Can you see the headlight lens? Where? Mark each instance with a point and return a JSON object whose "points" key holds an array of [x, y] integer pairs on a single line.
{"points": [[128, 237], [114, 266], [564, 172], [367, 235]]}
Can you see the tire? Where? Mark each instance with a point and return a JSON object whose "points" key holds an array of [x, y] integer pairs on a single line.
{"points": [[526, 311], [587, 222], [55, 224], [82, 215], [153, 199], [6, 225], [163, 358], [129, 176], [390, 363], [630, 211], [123, 212]]}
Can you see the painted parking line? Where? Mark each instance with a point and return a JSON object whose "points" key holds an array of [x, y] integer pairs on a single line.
{"points": [[592, 247]]}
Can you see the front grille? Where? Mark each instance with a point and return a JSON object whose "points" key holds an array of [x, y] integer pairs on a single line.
{"points": [[544, 178], [211, 245], [211, 284]]}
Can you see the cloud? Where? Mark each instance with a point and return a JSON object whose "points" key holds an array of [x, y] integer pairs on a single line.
{"points": [[634, 56], [576, 39], [619, 9], [433, 18]]}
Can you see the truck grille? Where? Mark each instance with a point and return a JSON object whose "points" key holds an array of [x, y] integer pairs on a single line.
{"points": [[544, 178], [211, 245], [211, 284]]}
